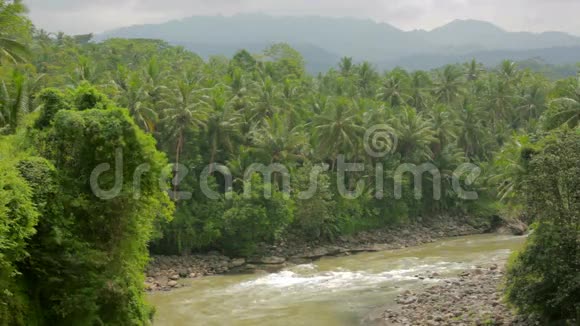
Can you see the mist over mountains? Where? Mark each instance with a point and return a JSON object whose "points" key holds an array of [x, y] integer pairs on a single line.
{"points": [[322, 40]]}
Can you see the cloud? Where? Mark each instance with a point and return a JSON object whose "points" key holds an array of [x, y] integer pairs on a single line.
{"points": [[80, 16]]}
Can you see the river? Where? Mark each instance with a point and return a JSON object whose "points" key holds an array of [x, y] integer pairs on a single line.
{"points": [[331, 291]]}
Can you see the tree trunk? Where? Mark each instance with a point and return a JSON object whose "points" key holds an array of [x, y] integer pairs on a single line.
{"points": [[176, 171]]}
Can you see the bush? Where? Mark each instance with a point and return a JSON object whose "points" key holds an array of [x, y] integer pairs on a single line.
{"points": [[314, 216], [86, 260], [18, 216], [544, 277], [249, 221]]}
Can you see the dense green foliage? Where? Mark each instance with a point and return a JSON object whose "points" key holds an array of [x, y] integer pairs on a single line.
{"points": [[72, 255], [78, 256], [544, 277], [66, 256], [18, 218], [265, 109]]}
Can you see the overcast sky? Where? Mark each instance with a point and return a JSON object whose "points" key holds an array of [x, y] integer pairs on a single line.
{"points": [[84, 16]]}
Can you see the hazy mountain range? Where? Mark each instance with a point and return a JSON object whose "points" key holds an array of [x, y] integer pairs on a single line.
{"points": [[322, 41]]}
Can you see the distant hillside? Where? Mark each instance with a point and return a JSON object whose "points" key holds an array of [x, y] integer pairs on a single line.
{"points": [[323, 40], [553, 56], [317, 59]]}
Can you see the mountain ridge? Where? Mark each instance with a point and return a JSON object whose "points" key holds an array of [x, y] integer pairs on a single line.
{"points": [[362, 39]]}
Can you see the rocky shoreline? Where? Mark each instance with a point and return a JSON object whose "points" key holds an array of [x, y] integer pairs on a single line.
{"points": [[165, 272], [474, 297]]}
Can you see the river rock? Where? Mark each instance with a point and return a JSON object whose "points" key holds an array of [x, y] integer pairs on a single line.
{"points": [[407, 300], [474, 299], [172, 284], [237, 262], [299, 260], [273, 260], [315, 253], [518, 228]]}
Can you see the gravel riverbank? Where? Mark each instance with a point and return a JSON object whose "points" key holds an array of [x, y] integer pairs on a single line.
{"points": [[474, 297]]}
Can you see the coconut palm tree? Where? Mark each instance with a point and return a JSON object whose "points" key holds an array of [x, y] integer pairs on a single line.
{"points": [[134, 97], [277, 142], [345, 66], [319, 103], [566, 108], [154, 76], [393, 89], [267, 102], [509, 73], [447, 161], [444, 124], [184, 112], [419, 89], [449, 84], [471, 133], [337, 130], [415, 135], [510, 168], [366, 78], [499, 101], [84, 70], [473, 70], [533, 102], [13, 29], [14, 102], [223, 123], [570, 112]]}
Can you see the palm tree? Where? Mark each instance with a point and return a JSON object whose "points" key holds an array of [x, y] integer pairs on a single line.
{"points": [[471, 134], [473, 70], [393, 90], [267, 100], [447, 161], [509, 73], [570, 112], [567, 108], [43, 37], [277, 142], [510, 168], [366, 78], [337, 129], [532, 102], [14, 102], [237, 84], [183, 112], [444, 126], [345, 65], [449, 86], [223, 124], [500, 100], [414, 133], [420, 84], [85, 70], [133, 96], [154, 77], [319, 103], [13, 28]]}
